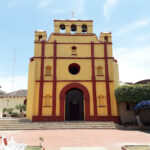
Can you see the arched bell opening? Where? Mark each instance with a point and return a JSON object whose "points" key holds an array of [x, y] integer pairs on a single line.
{"points": [[73, 29], [62, 28], [84, 28]]}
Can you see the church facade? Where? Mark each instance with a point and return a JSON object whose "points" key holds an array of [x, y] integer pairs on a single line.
{"points": [[72, 75]]}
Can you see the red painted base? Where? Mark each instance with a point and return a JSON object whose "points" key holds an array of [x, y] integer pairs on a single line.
{"points": [[45, 118], [115, 119]]}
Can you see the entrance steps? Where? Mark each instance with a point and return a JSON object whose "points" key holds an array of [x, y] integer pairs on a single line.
{"points": [[24, 124]]}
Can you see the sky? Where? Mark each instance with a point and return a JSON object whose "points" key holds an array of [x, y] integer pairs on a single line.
{"points": [[128, 20]]}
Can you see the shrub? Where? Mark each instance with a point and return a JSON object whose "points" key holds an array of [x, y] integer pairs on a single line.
{"points": [[133, 93], [5, 110], [21, 107], [14, 113], [9, 110]]}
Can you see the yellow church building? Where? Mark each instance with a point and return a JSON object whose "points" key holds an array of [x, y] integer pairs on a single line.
{"points": [[72, 75]]}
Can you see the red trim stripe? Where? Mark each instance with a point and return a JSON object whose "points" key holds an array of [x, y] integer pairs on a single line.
{"points": [[73, 20], [75, 81], [41, 80], [93, 80], [54, 79], [107, 81], [73, 58], [99, 42]]}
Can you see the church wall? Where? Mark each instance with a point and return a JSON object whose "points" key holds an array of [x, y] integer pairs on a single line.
{"points": [[36, 99], [63, 73], [37, 50], [30, 95], [65, 50], [77, 23], [61, 85], [116, 74], [44, 85], [99, 50], [70, 38], [113, 101], [48, 50], [47, 90], [100, 62], [111, 69], [37, 68], [109, 50], [101, 99], [48, 62]]}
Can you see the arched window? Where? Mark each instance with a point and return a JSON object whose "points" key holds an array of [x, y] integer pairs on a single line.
{"points": [[73, 29], [74, 50], [105, 38], [62, 28], [48, 70], [99, 71], [40, 37], [47, 100], [84, 28]]}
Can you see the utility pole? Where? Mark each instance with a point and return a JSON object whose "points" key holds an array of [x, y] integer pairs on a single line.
{"points": [[14, 63]]}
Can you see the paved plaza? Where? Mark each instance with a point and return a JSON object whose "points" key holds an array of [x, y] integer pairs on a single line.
{"points": [[80, 139]]}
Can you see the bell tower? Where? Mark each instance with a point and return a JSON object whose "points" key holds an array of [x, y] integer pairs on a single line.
{"points": [[73, 26]]}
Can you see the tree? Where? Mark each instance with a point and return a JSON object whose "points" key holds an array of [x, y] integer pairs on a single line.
{"points": [[133, 93], [21, 107]]}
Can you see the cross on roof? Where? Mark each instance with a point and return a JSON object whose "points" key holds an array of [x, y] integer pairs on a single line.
{"points": [[72, 12]]}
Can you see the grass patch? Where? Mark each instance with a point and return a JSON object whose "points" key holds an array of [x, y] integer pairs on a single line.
{"points": [[33, 148], [137, 147]]}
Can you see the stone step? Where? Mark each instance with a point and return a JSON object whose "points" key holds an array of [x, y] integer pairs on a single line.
{"points": [[58, 124], [54, 124], [29, 128], [24, 124]]}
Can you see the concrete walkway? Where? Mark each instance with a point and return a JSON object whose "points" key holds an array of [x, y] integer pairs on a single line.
{"points": [[86, 138]]}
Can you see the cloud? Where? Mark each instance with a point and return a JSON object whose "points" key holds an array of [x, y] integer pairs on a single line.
{"points": [[44, 3], [141, 38], [108, 7], [15, 3], [38, 3], [77, 6], [20, 82], [80, 6], [133, 63], [57, 11], [133, 26]]}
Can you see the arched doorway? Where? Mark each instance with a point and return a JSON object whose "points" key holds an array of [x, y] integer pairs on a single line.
{"points": [[74, 105], [86, 99]]}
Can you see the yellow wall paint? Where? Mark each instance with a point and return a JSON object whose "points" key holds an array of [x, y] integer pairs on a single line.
{"points": [[30, 93], [63, 72], [64, 54]]}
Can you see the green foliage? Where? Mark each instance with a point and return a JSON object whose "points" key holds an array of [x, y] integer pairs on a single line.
{"points": [[5, 110], [21, 107], [24, 107], [14, 113], [33, 148], [9, 110], [41, 139], [18, 107], [133, 93]]}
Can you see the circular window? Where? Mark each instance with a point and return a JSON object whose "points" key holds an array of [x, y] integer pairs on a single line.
{"points": [[74, 68]]}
